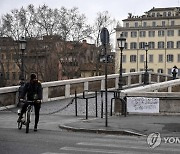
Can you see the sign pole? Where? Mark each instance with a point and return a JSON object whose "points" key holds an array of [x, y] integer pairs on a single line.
{"points": [[105, 41]]}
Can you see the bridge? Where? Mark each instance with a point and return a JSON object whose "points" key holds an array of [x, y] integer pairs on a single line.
{"points": [[161, 86]]}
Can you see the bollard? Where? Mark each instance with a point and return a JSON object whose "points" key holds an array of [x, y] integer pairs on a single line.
{"points": [[101, 104], [86, 108], [75, 103], [111, 106], [96, 104]]}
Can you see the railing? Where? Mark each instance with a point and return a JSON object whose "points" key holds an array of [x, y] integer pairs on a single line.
{"points": [[66, 88], [167, 92]]}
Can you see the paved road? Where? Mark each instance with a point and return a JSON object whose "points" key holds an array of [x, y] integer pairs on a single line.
{"points": [[51, 140], [14, 141]]}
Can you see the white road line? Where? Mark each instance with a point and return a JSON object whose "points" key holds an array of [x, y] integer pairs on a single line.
{"points": [[130, 146], [75, 149], [53, 153]]}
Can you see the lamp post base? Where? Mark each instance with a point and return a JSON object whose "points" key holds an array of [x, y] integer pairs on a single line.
{"points": [[146, 78]]}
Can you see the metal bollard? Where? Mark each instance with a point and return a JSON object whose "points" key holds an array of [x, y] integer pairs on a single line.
{"points": [[75, 103], [101, 104], [96, 104]]}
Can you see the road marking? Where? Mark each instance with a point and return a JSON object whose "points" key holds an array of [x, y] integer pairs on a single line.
{"points": [[53, 153], [75, 149], [130, 146]]}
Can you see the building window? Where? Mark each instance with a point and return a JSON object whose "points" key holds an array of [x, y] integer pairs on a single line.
{"points": [[133, 45], [178, 44], [141, 58], [170, 44], [164, 14], [125, 34], [142, 34], [151, 33], [144, 24], [133, 34], [14, 75], [161, 33], [127, 24], [141, 45], [160, 58], [170, 58], [160, 45], [170, 33], [124, 70], [153, 14], [124, 58], [178, 32], [163, 23], [169, 71], [126, 46], [132, 58], [151, 45], [158, 14], [153, 23], [178, 58], [132, 70], [136, 24], [169, 13], [172, 23], [151, 59], [160, 70]]}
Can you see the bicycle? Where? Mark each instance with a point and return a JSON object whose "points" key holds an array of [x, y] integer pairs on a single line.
{"points": [[27, 119]]}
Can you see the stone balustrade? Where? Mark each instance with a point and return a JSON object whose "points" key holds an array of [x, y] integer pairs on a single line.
{"points": [[66, 88], [168, 93]]}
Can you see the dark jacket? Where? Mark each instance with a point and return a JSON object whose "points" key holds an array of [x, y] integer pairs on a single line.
{"points": [[33, 89]]}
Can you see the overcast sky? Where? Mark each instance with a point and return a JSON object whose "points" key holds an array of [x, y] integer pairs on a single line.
{"points": [[118, 9]]}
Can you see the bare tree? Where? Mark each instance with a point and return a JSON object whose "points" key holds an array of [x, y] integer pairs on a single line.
{"points": [[35, 23], [103, 19]]}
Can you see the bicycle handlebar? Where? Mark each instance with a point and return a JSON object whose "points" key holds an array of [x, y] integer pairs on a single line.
{"points": [[34, 101]]}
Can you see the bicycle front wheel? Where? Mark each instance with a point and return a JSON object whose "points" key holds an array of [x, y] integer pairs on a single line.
{"points": [[27, 121], [19, 125]]}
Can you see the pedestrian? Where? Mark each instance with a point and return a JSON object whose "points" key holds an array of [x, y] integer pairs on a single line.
{"points": [[174, 71], [20, 90], [33, 90]]}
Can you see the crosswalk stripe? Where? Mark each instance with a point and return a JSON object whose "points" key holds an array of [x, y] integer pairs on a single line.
{"points": [[129, 146], [135, 141]]}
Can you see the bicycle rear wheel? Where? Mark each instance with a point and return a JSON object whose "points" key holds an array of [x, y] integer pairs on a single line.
{"points": [[27, 121]]}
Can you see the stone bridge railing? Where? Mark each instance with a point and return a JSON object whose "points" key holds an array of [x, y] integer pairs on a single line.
{"points": [[66, 88], [167, 92]]}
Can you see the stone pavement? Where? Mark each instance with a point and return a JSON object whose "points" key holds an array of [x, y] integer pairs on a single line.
{"points": [[144, 125], [58, 115]]}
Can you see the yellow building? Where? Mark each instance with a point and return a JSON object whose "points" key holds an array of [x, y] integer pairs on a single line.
{"points": [[160, 28]]}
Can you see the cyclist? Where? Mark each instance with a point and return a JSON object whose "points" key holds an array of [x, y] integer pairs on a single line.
{"points": [[33, 89]]}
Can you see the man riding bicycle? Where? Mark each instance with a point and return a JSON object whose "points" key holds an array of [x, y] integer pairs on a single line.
{"points": [[33, 89]]}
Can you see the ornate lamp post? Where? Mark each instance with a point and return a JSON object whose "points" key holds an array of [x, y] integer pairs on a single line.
{"points": [[146, 74], [121, 44], [22, 47]]}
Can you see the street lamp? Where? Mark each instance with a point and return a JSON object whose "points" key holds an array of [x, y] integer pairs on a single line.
{"points": [[146, 75], [22, 47], [121, 44]]}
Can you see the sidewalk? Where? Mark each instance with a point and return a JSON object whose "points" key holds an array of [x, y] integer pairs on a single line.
{"points": [[141, 125], [167, 125]]}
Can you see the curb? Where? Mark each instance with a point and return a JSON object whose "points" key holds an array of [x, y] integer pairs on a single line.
{"points": [[100, 131]]}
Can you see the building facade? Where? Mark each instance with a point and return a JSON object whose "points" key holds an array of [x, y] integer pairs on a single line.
{"points": [[160, 28], [50, 58]]}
